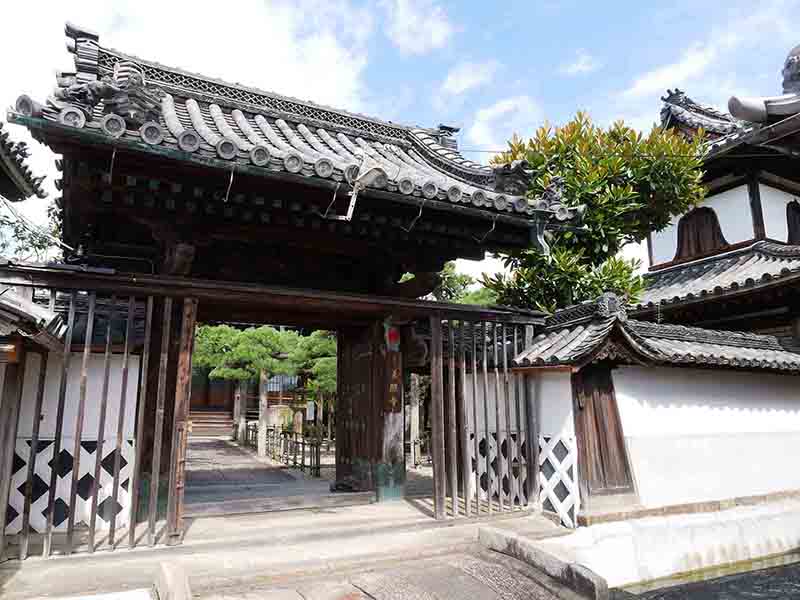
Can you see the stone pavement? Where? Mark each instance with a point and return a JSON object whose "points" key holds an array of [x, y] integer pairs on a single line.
{"points": [[265, 551], [223, 477], [471, 575]]}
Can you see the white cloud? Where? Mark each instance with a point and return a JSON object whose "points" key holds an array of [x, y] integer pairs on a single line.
{"points": [[417, 26], [467, 76], [312, 49], [691, 65], [582, 64], [493, 125], [767, 20]]}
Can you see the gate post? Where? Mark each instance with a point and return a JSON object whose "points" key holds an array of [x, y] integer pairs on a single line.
{"points": [[183, 390], [10, 401], [437, 419]]}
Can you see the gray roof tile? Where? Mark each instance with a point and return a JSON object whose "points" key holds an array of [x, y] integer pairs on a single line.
{"points": [[574, 335], [750, 267]]}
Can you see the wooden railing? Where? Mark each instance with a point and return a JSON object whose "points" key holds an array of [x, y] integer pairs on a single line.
{"points": [[292, 449]]}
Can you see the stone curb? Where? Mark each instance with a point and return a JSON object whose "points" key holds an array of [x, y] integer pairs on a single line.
{"points": [[172, 583], [576, 577]]}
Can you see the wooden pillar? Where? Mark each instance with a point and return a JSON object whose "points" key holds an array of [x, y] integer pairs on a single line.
{"points": [[237, 410], [437, 419], [263, 408], [183, 389], [532, 413], [9, 421], [413, 405], [390, 470]]}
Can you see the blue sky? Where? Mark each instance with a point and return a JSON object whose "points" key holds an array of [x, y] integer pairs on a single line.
{"points": [[491, 68]]}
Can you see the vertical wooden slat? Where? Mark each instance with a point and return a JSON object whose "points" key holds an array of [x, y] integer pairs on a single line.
{"points": [[452, 444], [520, 413], [507, 411], [37, 421], [498, 422], [51, 305], [76, 448], [123, 402], [101, 427], [485, 373], [466, 467], [183, 390], [11, 412], [437, 419], [62, 395], [140, 414], [475, 431], [532, 403], [159, 426]]}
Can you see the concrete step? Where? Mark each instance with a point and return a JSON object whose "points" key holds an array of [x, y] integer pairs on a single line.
{"points": [[277, 503]]}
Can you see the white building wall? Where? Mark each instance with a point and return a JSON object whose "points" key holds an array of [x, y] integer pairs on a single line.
{"points": [[699, 435], [732, 208], [88, 442], [773, 207]]}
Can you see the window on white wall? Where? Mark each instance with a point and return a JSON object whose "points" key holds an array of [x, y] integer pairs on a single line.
{"points": [[699, 234], [793, 222]]}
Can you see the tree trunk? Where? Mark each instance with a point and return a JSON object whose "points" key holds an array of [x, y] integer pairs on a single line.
{"points": [[263, 406]]}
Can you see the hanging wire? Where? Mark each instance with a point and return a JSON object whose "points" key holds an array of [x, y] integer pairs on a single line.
{"points": [[111, 166], [230, 184], [32, 227], [333, 201], [415, 219], [485, 235]]}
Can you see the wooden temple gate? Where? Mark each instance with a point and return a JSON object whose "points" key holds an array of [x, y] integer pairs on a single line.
{"points": [[484, 439], [113, 446]]}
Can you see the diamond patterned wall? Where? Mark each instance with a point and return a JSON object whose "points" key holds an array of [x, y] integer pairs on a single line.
{"points": [[558, 478], [512, 488], [107, 507]]}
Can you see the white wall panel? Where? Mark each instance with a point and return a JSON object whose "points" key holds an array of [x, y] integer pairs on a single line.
{"points": [[697, 435], [773, 206]]}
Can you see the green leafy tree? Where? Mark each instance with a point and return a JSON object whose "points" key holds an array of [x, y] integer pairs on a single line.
{"points": [[482, 296], [230, 353], [315, 357], [452, 284], [630, 183]]}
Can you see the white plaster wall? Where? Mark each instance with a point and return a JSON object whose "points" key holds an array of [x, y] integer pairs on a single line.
{"points": [[732, 208], [93, 397], [773, 207], [665, 242], [697, 435], [734, 214], [553, 392]]}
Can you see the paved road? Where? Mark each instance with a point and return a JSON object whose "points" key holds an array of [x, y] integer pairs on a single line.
{"points": [[476, 575]]}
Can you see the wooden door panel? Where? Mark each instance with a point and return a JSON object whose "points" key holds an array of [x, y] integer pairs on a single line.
{"points": [[601, 445]]}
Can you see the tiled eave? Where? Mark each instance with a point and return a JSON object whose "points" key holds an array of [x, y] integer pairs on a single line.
{"points": [[88, 135], [758, 266], [602, 335], [13, 167]]}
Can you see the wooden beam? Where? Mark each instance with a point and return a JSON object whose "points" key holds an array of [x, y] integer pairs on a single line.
{"points": [[11, 401], [123, 399], [254, 295], [437, 419], [466, 468], [101, 429], [159, 422], [452, 420], [62, 395], [141, 403], [180, 420], [37, 421]]}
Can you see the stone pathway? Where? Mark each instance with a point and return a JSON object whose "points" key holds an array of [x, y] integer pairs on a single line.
{"points": [[224, 478], [475, 575]]}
